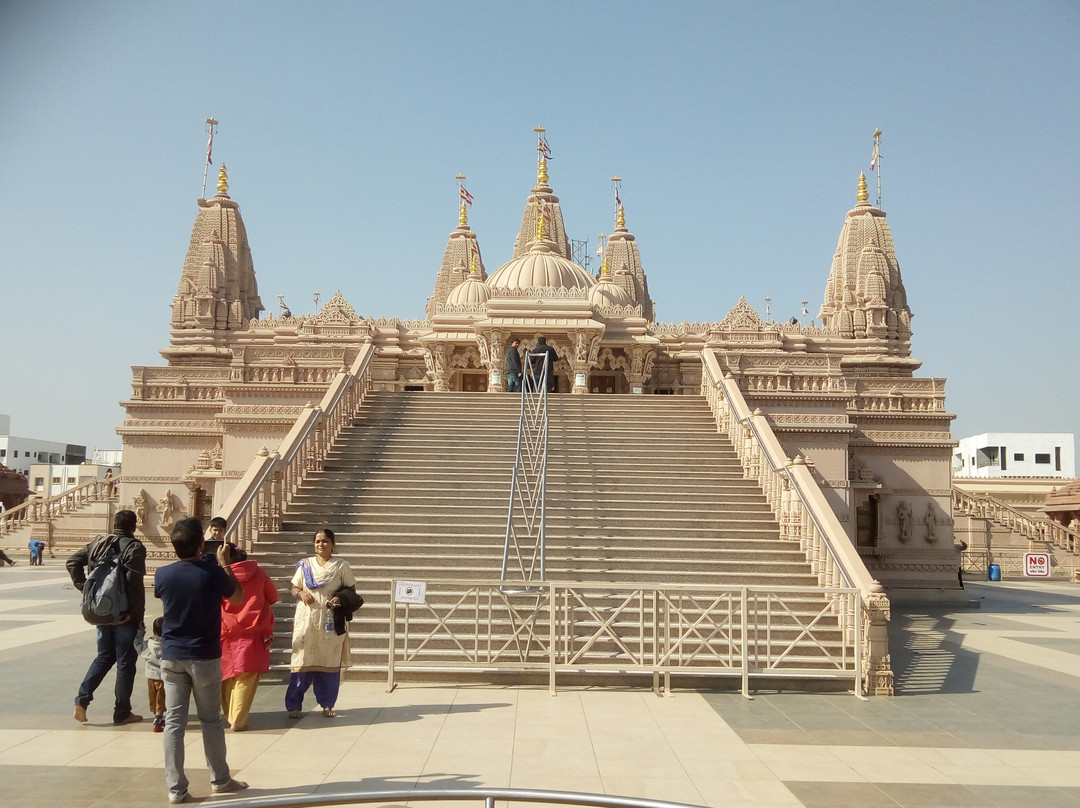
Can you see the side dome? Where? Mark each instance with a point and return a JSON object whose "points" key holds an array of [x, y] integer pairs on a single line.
{"points": [[541, 266], [471, 291], [608, 293]]}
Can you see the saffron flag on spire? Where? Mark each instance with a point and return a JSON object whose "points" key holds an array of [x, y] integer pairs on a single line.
{"points": [[877, 154], [466, 197], [543, 147], [617, 200]]}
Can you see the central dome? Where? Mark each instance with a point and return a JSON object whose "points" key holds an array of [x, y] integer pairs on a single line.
{"points": [[541, 266]]}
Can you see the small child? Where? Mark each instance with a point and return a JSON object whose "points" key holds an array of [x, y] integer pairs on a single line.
{"points": [[149, 648]]}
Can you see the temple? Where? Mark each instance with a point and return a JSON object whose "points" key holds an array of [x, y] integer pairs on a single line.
{"points": [[842, 395]]}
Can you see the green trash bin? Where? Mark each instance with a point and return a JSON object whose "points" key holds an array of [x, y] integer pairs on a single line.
{"points": [[993, 572]]}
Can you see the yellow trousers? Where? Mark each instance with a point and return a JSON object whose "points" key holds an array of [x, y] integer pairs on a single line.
{"points": [[237, 695]]}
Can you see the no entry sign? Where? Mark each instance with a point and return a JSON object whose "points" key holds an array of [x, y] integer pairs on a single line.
{"points": [[1037, 565]]}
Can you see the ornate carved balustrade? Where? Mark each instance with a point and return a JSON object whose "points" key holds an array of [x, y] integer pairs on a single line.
{"points": [[257, 503], [804, 516], [1044, 530], [41, 509]]}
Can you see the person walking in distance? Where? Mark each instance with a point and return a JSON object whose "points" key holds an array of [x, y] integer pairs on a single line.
{"points": [[115, 643], [513, 367], [191, 590]]}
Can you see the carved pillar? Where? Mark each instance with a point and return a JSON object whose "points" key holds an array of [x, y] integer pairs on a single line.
{"points": [[642, 358], [492, 347], [441, 367], [584, 346], [878, 671]]}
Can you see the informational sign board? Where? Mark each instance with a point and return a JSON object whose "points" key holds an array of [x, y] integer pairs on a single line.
{"points": [[1037, 565], [410, 591]]}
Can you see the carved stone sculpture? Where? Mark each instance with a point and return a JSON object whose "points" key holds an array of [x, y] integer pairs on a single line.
{"points": [[168, 512], [141, 510], [903, 518], [931, 525]]}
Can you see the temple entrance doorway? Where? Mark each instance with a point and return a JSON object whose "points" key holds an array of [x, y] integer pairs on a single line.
{"points": [[474, 382], [866, 522], [607, 382]]}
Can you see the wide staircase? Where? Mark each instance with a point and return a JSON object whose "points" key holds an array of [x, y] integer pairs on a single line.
{"points": [[639, 489]]}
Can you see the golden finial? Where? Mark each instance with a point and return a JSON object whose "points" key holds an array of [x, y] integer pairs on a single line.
{"points": [[541, 223], [863, 195], [222, 180], [603, 266], [473, 268], [620, 219], [541, 172], [463, 215]]}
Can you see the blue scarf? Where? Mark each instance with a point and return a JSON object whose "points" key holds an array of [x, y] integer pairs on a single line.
{"points": [[309, 576]]}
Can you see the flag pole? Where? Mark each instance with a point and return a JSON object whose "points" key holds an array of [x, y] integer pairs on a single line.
{"points": [[209, 148], [875, 162]]}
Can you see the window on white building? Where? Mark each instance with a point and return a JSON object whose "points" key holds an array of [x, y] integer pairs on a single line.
{"points": [[56, 481], [1019, 457], [1042, 458]]}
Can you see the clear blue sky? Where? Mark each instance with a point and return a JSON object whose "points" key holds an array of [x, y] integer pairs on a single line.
{"points": [[739, 131]]}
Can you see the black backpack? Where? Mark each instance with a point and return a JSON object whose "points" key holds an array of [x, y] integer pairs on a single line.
{"points": [[104, 595]]}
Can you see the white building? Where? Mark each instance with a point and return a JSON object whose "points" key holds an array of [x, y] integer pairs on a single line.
{"points": [[18, 454], [50, 479], [1015, 454], [109, 457]]}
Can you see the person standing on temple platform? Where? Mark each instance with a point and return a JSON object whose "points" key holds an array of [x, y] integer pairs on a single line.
{"points": [[513, 367], [543, 349]]}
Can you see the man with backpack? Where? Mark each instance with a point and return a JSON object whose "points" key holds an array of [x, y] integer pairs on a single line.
{"points": [[116, 638]]}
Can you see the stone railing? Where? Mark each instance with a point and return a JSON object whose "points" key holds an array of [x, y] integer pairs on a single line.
{"points": [[804, 516], [255, 506], [1038, 530], [42, 509]]}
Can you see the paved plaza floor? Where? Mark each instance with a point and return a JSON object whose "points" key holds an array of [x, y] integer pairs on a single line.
{"points": [[986, 714]]}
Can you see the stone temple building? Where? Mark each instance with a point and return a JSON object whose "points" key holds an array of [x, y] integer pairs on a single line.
{"points": [[844, 394]]}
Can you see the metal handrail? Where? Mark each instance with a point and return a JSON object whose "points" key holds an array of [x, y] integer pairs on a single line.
{"points": [[487, 794], [528, 481]]}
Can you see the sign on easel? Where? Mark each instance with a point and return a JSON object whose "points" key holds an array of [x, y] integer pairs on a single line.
{"points": [[1037, 565], [410, 592]]}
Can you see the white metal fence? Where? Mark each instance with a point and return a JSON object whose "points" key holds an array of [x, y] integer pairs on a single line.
{"points": [[650, 629]]}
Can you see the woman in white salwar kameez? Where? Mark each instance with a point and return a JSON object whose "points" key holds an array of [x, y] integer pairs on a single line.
{"points": [[318, 652]]}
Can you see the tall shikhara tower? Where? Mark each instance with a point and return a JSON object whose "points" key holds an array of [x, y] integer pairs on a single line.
{"points": [[218, 290]]}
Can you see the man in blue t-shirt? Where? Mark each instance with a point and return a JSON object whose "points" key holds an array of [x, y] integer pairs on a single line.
{"points": [[191, 590]]}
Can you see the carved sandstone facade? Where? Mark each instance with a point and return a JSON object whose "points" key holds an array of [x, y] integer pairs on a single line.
{"points": [[842, 395]]}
